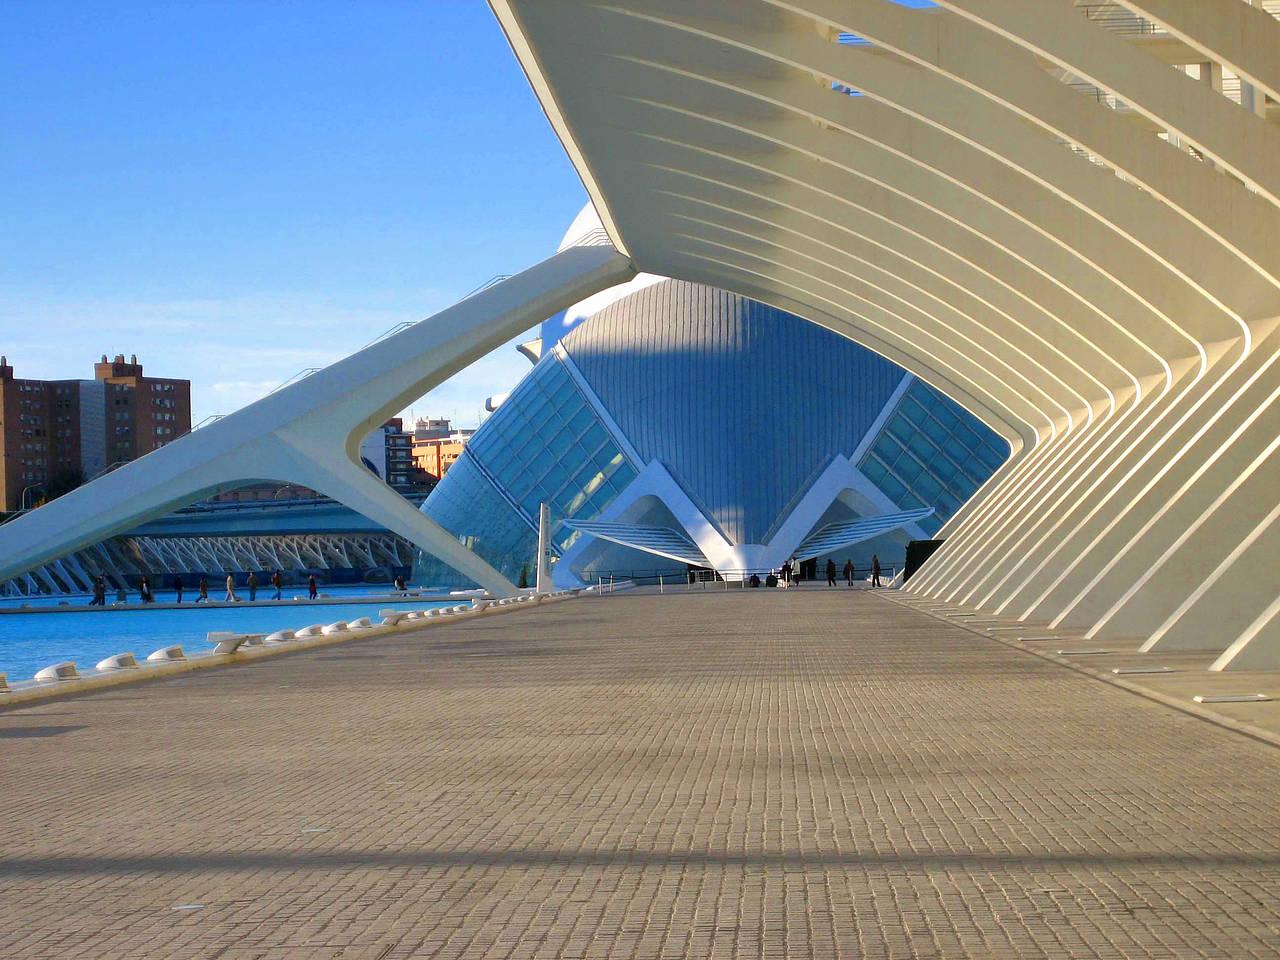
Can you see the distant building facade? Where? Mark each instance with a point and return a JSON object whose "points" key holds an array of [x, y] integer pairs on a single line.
{"points": [[435, 457], [261, 492], [388, 452], [54, 431], [425, 428]]}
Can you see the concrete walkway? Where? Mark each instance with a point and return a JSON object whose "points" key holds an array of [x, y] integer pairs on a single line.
{"points": [[745, 774]]}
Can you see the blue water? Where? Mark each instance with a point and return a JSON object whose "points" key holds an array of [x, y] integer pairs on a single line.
{"points": [[29, 641]]}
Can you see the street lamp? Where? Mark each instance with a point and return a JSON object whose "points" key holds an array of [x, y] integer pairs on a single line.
{"points": [[22, 498]]}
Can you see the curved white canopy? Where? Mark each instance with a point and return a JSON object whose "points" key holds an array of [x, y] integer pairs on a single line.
{"points": [[1097, 276]]}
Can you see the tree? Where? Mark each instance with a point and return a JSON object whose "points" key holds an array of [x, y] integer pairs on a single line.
{"points": [[64, 481]]}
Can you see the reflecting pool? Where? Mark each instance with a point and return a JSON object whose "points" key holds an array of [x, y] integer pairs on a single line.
{"points": [[29, 641]]}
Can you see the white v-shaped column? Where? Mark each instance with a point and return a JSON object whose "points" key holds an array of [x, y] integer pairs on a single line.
{"points": [[310, 431]]}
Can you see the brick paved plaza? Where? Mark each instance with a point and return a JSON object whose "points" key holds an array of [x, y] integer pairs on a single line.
{"points": [[744, 774]]}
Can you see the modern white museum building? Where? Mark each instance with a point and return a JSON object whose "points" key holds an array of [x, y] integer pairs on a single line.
{"points": [[1067, 224]]}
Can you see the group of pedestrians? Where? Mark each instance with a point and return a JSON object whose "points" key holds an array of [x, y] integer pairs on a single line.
{"points": [[252, 583], [147, 595], [788, 576], [850, 571]]}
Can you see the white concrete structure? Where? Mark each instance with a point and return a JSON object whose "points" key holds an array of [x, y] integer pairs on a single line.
{"points": [[1097, 277], [310, 431]]}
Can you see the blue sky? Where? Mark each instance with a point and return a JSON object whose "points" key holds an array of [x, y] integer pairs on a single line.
{"points": [[235, 191]]}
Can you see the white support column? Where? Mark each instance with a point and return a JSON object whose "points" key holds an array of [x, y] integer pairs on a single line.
{"points": [[544, 549]]}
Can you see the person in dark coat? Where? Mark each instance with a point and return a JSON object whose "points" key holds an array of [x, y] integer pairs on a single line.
{"points": [[848, 572], [831, 573], [177, 587], [311, 586], [875, 570]]}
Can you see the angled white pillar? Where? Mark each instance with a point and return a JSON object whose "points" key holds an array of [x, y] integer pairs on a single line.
{"points": [[543, 580], [309, 432]]}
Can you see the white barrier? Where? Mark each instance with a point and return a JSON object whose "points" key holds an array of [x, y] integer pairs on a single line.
{"points": [[225, 641], [118, 661], [58, 671], [62, 679]]}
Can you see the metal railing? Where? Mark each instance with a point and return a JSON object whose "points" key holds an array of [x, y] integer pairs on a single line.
{"points": [[389, 332], [727, 579], [300, 375], [492, 281], [1113, 16]]}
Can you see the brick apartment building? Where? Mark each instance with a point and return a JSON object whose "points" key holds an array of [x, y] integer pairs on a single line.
{"points": [[436, 446], [388, 452], [51, 430]]}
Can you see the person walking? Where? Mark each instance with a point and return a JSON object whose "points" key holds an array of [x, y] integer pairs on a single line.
{"points": [[99, 593], [848, 572], [311, 586], [831, 573], [875, 570], [276, 581], [231, 589], [177, 587], [144, 590], [252, 584], [204, 590]]}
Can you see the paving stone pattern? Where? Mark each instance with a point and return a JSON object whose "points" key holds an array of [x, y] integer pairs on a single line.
{"points": [[749, 774]]}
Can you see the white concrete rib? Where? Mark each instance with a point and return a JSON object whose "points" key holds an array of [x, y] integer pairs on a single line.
{"points": [[1105, 299]]}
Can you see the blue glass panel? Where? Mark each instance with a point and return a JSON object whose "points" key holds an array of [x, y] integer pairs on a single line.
{"points": [[543, 445], [907, 469], [892, 488], [468, 506], [990, 457], [927, 488], [594, 436], [966, 435], [887, 449], [946, 414], [952, 452]]}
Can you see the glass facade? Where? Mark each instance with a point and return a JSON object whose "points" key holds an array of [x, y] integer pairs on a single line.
{"points": [[467, 505], [932, 452], [545, 444], [704, 383]]}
